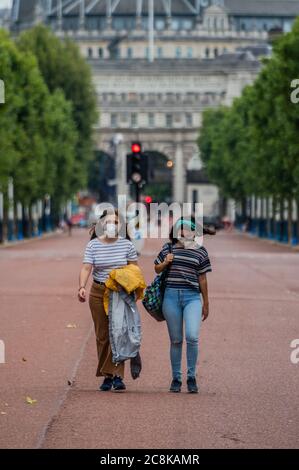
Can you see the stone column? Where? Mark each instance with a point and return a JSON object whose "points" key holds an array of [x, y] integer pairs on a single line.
{"points": [[121, 169], [82, 14], [179, 182]]}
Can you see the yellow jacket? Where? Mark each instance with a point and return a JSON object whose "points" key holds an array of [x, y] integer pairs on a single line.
{"points": [[129, 277]]}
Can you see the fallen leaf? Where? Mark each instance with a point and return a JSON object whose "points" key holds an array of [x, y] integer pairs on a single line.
{"points": [[30, 401], [24, 359], [70, 325]]}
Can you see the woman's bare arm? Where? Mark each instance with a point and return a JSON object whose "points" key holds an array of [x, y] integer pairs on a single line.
{"points": [[160, 267], [203, 282], [83, 278]]}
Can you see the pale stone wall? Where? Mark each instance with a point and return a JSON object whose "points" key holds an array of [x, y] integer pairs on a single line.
{"points": [[207, 194], [161, 105]]}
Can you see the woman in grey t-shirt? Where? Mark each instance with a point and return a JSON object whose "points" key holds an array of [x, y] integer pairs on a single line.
{"points": [[104, 253]]}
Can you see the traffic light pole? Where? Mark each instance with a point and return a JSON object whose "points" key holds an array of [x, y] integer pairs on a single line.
{"points": [[137, 168], [137, 192]]}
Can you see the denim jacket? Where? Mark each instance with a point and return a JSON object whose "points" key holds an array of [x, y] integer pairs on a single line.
{"points": [[124, 326]]}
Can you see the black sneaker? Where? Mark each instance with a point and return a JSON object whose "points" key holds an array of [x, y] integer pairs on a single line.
{"points": [[106, 385], [175, 386], [192, 385], [118, 384]]}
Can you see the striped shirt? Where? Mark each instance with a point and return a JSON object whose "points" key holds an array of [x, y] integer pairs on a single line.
{"points": [[107, 256], [187, 265]]}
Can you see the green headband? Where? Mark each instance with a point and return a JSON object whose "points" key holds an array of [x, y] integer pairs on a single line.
{"points": [[189, 223]]}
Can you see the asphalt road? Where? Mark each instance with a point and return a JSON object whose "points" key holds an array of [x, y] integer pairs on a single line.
{"points": [[248, 385]]}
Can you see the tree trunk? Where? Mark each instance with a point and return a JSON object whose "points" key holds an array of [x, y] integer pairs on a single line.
{"points": [[274, 209], [281, 224], [268, 222], [290, 220]]}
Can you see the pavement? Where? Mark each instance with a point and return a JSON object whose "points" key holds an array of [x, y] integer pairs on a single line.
{"points": [[248, 385]]}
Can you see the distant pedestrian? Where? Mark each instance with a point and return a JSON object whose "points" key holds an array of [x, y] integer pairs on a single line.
{"points": [[69, 225], [103, 254], [187, 264]]}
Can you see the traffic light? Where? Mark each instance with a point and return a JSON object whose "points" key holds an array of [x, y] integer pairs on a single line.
{"points": [[148, 199], [137, 165]]}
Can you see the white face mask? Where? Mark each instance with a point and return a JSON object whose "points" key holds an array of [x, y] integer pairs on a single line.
{"points": [[188, 243], [110, 230]]}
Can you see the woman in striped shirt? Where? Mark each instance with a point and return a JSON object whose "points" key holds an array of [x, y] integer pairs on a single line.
{"points": [[187, 264], [106, 250]]}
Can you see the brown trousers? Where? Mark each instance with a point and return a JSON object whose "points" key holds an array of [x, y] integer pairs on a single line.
{"points": [[101, 325]]}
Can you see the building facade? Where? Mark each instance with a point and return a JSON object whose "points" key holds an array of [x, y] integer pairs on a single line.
{"points": [[4, 18], [157, 64]]}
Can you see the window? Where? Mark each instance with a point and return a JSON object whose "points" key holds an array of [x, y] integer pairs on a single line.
{"points": [[189, 52], [187, 24], [120, 23], [178, 52], [93, 23], [216, 52], [175, 24], [159, 52], [159, 24], [89, 52], [101, 52], [151, 120], [287, 26], [207, 53], [189, 120], [115, 53], [113, 120], [169, 120], [129, 53], [134, 120], [147, 52]]}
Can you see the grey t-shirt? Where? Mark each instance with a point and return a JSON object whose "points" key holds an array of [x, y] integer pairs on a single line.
{"points": [[107, 256]]}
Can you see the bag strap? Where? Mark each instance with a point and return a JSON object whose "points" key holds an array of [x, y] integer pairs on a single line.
{"points": [[168, 267]]}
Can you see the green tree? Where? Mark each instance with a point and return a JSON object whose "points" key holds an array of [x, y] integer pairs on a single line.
{"points": [[63, 68]]}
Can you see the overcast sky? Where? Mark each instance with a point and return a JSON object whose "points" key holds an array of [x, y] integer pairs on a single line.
{"points": [[5, 3]]}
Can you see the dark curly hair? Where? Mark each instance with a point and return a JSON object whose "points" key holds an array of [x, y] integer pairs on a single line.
{"points": [[200, 229]]}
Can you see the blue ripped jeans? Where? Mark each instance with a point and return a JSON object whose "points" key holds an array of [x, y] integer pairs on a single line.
{"points": [[183, 306]]}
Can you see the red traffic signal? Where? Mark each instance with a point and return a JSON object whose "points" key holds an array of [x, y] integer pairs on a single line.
{"points": [[136, 147], [148, 199]]}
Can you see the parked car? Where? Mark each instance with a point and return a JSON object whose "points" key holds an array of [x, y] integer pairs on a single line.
{"points": [[213, 222], [79, 220]]}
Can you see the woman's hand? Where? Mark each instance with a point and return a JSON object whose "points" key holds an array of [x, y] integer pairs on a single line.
{"points": [[83, 278], [169, 259], [160, 267], [205, 311], [82, 294]]}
